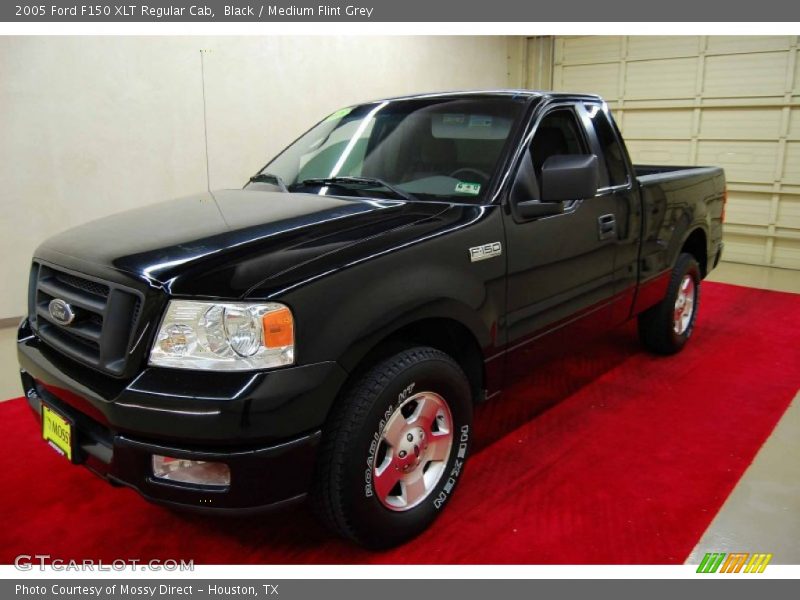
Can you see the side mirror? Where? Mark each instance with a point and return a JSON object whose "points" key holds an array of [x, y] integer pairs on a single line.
{"points": [[564, 177], [531, 209], [569, 177]]}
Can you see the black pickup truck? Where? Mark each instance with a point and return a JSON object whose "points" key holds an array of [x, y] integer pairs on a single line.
{"points": [[327, 330]]}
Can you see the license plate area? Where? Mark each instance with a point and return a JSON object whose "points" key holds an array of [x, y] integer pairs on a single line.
{"points": [[58, 431]]}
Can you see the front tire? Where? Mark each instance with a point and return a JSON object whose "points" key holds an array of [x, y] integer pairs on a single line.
{"points": [[666, 327], [394, 448]]}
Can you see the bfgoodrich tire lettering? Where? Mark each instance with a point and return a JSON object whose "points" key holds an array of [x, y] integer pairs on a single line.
{"points": [[346, 496]]}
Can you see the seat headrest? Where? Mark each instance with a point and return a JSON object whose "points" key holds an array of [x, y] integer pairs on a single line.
{"points": [[547, 142]]}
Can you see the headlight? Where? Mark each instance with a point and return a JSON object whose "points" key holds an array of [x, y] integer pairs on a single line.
{"points": [[224, 336]]}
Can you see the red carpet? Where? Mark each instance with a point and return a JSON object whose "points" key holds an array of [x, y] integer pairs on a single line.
{"points": [[627, 460]]}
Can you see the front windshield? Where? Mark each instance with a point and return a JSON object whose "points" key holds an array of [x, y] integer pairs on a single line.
{"points": [[422, 148]]}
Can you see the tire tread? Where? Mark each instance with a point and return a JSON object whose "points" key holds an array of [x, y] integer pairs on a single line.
{"points": [[343, 424], [655, 324]]}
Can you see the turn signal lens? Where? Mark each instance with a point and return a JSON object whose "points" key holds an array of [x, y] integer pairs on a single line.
{"points": [[278, 327]]}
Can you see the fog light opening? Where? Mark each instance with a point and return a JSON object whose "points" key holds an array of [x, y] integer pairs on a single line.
{"points": [[192, 472]]}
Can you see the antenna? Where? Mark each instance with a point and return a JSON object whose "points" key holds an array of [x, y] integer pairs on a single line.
{"points": [[205, 133], [205, 116]]}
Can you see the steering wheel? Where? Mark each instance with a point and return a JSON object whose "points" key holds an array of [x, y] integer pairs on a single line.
{"points": [[478, 172]]}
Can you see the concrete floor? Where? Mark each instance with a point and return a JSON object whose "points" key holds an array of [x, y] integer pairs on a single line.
{"points": [[782, 280], [763, 512], [9, 375]]}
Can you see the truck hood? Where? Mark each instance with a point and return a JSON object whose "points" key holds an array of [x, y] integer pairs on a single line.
{"points": [[221, 244]]}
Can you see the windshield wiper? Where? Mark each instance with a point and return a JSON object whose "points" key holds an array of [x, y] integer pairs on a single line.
{"points": [[269, 178], [362, 181]]}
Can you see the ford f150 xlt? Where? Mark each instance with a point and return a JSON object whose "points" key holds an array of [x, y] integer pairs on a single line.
{"points": [[327, 330]]}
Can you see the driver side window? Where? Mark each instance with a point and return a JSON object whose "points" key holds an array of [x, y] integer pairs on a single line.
{"points": [[558, 133]]}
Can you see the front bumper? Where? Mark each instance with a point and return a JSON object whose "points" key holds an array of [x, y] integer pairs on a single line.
{"points": [[265, 426]]}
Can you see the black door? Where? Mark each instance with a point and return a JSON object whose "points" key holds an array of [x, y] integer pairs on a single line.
{"points": [[615, 166], [560, 267]]}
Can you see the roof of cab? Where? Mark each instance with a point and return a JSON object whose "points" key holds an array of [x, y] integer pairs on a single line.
{"points": [[498, 92]]}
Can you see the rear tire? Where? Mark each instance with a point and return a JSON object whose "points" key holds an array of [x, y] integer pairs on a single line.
{"points": [[394, 448], [666, 327]]}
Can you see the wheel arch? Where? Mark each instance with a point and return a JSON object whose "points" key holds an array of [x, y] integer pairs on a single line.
{"points": [[696, 244], [446, 326]]}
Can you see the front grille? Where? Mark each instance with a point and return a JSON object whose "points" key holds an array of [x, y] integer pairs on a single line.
{"points": [[91, 287], [105, 316]]}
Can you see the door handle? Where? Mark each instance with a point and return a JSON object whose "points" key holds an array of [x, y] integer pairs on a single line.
{"points": [[607, 226]]}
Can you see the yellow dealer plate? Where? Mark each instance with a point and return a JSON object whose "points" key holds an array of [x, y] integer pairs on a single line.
{"points": [[57, 431]]}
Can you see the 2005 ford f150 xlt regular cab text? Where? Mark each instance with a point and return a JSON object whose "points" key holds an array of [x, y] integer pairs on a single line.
{"points": [[327, 330]]}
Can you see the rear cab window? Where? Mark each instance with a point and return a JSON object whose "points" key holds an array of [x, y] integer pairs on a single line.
{"points": [[613, 157]]}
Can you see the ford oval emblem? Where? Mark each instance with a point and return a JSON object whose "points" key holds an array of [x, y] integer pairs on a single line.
{"points": [[61, 312]]}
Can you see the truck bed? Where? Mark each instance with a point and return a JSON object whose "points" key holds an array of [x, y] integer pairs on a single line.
{"points": [[653, 173], [695, 193]]}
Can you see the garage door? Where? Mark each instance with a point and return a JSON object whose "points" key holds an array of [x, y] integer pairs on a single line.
{"points": [[727, 101]]}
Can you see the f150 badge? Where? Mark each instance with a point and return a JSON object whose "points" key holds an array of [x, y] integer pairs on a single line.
{"points": [[486, 251]]}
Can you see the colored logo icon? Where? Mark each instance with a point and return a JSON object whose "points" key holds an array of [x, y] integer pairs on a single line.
{"points": [[735, 562]]}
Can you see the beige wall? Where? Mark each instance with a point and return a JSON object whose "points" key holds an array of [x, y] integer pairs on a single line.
{"points": [[731, 101], [92, 126]]}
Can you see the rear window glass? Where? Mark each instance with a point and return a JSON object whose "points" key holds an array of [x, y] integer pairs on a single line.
{"points": [[463, 126], [612, 149]]}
